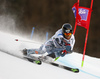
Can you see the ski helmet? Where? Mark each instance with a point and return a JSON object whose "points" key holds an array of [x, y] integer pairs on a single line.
{"points": [[67, 29]]}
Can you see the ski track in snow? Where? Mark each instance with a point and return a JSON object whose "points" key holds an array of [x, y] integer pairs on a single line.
{"points": [[86, 72], [91, 65]]}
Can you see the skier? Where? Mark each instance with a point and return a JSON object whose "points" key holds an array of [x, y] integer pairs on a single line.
{"points": [[60, 44]]}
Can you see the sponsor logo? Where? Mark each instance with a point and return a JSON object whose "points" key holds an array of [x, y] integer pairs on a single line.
{"points": [[82, 11], [68, 31]]}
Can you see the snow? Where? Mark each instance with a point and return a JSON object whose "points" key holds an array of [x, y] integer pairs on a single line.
{"points": [[12, 66]]}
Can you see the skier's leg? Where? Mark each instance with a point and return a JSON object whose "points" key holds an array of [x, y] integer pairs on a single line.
{"points": [[47, 48], [33, 51]]}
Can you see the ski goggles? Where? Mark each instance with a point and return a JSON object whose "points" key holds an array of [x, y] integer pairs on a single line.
{"points": [[67, 34]]}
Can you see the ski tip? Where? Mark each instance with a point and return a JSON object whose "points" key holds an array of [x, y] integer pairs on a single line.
{"points": [[38, 62], [75, 70]]}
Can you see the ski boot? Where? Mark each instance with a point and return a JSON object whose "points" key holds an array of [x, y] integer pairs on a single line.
{"points": [[38, 62], [24, 51]]}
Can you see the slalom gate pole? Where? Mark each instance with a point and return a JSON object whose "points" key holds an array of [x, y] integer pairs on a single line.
{"points": [[85, 47], [75, 28], [76, 18], [32, 32], [86, 36], [46, 36], [91, 4]]}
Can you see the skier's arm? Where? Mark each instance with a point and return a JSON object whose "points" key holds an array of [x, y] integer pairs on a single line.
{"points": [[58, 42]]}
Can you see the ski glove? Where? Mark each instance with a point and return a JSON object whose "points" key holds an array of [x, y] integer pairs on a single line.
{"points": [[64, 52]]}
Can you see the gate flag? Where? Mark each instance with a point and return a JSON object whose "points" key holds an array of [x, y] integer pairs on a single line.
{"points": [[82, 15]]}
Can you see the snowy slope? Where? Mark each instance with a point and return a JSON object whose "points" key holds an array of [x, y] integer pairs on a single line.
{"points": [[12, 67]]}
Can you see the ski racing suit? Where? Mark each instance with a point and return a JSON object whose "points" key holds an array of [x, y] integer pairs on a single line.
{"points": [[57, 45]]}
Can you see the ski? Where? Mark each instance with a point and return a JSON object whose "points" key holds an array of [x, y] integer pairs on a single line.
{"points": [[38, 61], [33, 60], [75, 70], [65, 67]]}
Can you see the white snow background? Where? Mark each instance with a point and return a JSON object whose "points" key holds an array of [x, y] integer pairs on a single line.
{"points": [[13, 67]]}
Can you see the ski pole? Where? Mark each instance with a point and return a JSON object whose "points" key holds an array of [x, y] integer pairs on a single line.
{"points": [[26, 41], [56, 58]]}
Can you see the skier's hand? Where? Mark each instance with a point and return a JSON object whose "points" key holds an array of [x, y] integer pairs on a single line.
{"points": [[63, 53], [68, 48], [67, 51]]}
